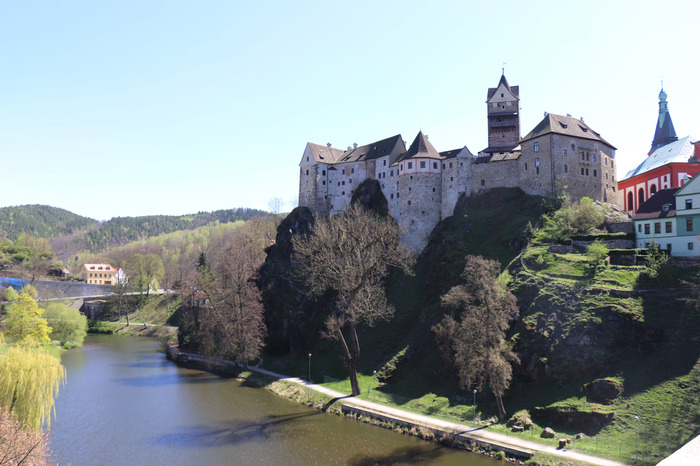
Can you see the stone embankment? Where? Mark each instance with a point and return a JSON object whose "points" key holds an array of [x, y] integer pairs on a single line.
{"points": [[512, 446]]}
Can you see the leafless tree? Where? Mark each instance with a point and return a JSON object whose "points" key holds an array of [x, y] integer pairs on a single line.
{"points": [[473, 337], [348, 256]]}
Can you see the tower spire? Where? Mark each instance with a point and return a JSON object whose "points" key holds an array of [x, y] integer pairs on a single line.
{"points": [[665, 132]]}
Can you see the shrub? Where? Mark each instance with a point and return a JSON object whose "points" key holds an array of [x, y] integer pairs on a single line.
{"points": [[597, 251]]}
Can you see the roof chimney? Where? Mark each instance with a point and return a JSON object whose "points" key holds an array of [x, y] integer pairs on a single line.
{"points": [[328, 144], [354, 145], [349, 147]]}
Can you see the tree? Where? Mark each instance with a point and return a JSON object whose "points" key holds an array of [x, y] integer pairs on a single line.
{"points": [[11, 294], [597, 251], [147, 270], [67, 323], [23, 322], [231, 325], [346, 258], [21, 444], [472, 337], [29, 380]]}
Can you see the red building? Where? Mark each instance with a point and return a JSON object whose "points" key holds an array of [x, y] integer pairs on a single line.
{"points": [[669, 164]]}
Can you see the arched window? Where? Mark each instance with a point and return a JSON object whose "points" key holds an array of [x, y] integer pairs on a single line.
{"points": [[630, 201], [653, 189], [640, 197]]}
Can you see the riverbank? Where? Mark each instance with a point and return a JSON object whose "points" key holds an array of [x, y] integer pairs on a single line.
{"points": [[427, 427]]}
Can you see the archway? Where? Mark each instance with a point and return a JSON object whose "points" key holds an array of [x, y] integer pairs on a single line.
{"points": [[640, 196], [630, 201]]}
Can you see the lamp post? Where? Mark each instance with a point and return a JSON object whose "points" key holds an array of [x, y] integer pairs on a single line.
{"points": [[309, 367], [474, 405], [636, 428]]}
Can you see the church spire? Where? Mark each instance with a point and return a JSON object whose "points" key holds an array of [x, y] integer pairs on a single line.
{"points": [[665, 133]]}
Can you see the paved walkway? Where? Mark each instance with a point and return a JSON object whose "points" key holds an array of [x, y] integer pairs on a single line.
{"points": [[477, 434]]}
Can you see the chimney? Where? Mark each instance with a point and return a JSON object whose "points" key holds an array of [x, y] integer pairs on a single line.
{"points": [[354, 145], [348, 147], [328, 144]]}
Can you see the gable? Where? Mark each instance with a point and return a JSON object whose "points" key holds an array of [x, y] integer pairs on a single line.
{"points": [[503, 90]]}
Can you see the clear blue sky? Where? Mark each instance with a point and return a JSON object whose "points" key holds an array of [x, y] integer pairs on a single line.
{"points": [[170, 107]]}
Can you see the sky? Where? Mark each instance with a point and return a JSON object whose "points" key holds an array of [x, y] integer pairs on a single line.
{"points": [[130, 108]]}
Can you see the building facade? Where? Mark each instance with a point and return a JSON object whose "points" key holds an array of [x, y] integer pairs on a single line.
{"points": [[422, 185], [669, 164], [98, 274]]}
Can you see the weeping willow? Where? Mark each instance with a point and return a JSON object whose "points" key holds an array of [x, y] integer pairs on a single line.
{"points": [[29, 380]]}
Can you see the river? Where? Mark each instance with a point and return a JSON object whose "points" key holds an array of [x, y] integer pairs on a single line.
{"points": [[124, 403]]}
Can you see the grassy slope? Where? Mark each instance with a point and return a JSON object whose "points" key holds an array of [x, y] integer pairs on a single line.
{"points": [[661, 383]]}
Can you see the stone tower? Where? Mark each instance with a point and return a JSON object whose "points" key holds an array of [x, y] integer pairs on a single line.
{"points": [[503, 111]]}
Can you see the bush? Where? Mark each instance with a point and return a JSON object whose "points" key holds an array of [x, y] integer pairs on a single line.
{"points": [[67, 324], [597, 251], [99, 326]]}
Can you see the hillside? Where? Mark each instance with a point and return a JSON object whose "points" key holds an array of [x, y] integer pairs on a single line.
{"points": [[597, 345], [41, 221]]}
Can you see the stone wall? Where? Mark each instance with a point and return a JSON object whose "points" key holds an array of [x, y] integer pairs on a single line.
{"points": [[498, 174], [50, 289], [419, 207]]}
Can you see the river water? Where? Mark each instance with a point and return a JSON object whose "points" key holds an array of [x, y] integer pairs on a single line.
{"points": [[125, 404]]}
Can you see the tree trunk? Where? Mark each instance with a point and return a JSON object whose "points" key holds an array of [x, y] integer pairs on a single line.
{"points": [[355, 358], [501, 408], [350, 363]]}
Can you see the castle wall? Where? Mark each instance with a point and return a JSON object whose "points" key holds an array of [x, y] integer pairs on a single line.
{"points": [[418, 206], [456, 179], [496, 174]]}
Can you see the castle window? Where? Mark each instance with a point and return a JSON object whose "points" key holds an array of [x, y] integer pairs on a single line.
{"points": [[501, 94], [537, 170], [606, 160], [410, 165], [594, 157], [646, 229], [352, 171], [586, 171], [435, 165], [338, 183], [443, 166], [537, 146], [411, 176], [451, 179], [409, 190], [343, 182], [450, 164], [669, 227], [397, 195], [385, 163], [688, 203], [307, 172], [565, 153], [611, 163], [324, 182], [537, 162], [573, 147], [690, 246], [583, 156], [350, 181], [657, 228], [343, 171], [409, 202], [343, 193], [433, 189], [566, 169], [422, 164], [582, 171], [392, 195], [653, 189], [525, 167], [689, 224], [391, 173], [323, 172], [595, 172], [606, 176], [483, 182]]}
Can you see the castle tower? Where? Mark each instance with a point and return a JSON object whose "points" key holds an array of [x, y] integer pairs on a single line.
{"points": [[503, 112], [665, 133]]}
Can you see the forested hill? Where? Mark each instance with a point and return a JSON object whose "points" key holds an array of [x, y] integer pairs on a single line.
{"points": [[41, 221], [122, 230]]}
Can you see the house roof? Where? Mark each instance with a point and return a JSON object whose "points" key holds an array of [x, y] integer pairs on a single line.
{"points": [[102, 267], [689, 186], [494, 157], [421, 148], [654, 206], [565, 125], [515, 90], [681, 151], [324, 154], [664, 133], [449, 154], [492, 149], [373, 150]]}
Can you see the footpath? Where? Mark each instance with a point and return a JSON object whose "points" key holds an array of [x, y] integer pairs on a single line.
{"points": [[462, 432]]}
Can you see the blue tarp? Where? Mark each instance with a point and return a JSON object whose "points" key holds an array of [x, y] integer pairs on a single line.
{"points": [[15, 283]]}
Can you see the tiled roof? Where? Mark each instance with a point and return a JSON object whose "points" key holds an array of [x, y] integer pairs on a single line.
{"points": [[567, 126], [101, 267], [680, 151], [654, 206], [449, 154], [421, 147], [372, 151], [514, 90], [498, 157], [325, 154], [492, 149]]}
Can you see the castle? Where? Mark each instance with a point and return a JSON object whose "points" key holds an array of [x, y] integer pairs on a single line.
{"points": [[422, 185]]}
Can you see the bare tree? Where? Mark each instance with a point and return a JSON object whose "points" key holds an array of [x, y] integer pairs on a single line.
{"points": [[275, 204], [473, 338], [348, 256]]}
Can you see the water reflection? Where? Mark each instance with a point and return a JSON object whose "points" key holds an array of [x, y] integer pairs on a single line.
{"points": [[121, 393]]}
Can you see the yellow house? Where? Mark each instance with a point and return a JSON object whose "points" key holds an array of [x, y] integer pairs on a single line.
{"points": [[98, 274]]}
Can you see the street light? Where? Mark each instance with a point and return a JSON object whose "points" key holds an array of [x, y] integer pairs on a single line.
{"points": [[474, 405], [636, 428], [309, 367]]}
